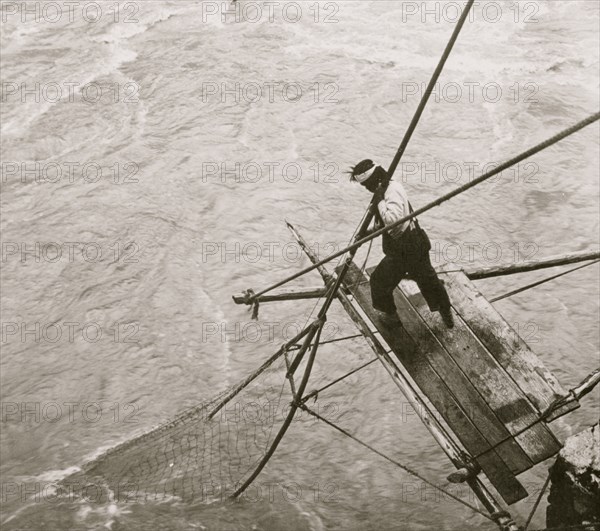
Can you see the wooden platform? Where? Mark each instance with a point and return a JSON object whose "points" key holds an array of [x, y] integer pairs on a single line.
{"points": [[480, 376]]}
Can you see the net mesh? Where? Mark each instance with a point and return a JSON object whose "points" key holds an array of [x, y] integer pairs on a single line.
{"points": [[203, 454]]}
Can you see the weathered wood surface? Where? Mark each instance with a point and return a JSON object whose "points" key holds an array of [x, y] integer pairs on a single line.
{"points": [[481, 377], [505, 345], [458, 381], [439, 432], [461, 408], [484, 375]]}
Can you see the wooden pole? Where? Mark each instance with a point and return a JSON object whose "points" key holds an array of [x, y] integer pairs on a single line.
{"points": [[314, 332], [289, 294], [531, 265], [587, 385], [575, 394], [457, 456], [429, 90]]}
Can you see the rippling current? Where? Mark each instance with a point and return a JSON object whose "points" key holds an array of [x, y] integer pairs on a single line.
{"points": [[150, 154]]}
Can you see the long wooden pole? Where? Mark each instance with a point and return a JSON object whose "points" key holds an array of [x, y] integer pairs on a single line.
{"points": [[531, 265], [315, 332], [461, 189], [429, 90], [289, 294], [334, 288], [473, 273]]}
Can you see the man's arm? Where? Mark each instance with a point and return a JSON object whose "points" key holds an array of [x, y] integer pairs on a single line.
{"points": [[392, 205]]}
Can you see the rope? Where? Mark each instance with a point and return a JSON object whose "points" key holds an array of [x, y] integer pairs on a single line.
{"points": [[539, 282], [316, 392], [587, 385], [399, 465], [539, 499], [364, 266], [442, 199], [346, 338]]}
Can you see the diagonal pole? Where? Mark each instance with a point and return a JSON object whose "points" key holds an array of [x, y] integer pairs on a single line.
{"points": [[442, 199], [407, 136], [316, 333], [333, 289], [428, 91]]}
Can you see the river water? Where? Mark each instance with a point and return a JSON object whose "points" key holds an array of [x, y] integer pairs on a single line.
{"points": [[150, 154]]}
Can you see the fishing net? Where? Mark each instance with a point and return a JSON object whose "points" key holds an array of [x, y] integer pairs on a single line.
{"points": [[203, 455]]}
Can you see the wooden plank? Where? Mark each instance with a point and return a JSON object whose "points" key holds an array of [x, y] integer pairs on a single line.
{"points": [[505, 345], [439, 395], [506, 399], [462, 389]]}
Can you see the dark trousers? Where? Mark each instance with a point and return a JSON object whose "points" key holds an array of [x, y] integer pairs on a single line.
{"points": [[407, 257]]}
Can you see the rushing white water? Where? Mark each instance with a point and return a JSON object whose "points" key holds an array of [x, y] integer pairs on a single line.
{"points": [[316, 90]]}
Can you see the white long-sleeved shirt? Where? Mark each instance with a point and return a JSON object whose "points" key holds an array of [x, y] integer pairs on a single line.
{"points": [[394, 206]]}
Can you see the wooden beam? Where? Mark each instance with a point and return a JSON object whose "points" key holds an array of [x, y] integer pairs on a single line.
{"points": [[478, 414], [286, 294], [507, 400], [531, 265], [506, 346]]}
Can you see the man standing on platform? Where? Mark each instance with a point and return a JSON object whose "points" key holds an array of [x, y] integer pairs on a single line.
{"points": [[406, 247]]}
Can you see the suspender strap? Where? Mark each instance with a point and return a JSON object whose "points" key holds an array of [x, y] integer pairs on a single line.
{"points": [[413, 219]]}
